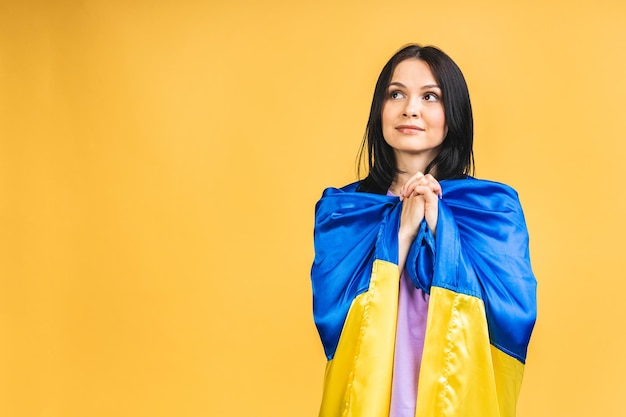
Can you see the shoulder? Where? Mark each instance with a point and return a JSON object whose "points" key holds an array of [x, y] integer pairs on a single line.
{"points": [[349, 191], [347, 197], [350, 188], [471, 183], [470, 191]]}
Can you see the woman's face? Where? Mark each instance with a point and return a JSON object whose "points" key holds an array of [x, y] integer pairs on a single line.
{"points": [[413, 118]]}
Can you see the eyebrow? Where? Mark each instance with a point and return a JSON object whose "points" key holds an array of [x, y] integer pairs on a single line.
{"points": [[424, 87]]}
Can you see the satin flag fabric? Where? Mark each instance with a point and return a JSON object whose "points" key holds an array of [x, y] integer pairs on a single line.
{"points": [[482, 304]]}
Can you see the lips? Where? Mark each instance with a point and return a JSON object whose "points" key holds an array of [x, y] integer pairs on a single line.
{"points": [[409, 129]]}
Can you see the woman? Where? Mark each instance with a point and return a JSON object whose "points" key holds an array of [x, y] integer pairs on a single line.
{"points": [[423, 293]]}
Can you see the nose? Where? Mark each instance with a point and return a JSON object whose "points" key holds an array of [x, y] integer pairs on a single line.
{"points": [[412, 108]]}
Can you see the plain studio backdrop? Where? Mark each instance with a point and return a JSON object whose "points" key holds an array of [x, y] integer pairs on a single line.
{"points": [[160, 161]]}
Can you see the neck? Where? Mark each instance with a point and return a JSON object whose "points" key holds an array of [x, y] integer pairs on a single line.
{"points": [[409, 166]]}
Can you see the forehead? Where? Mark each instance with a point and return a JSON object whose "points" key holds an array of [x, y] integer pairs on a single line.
{"points": [[413, 72]]}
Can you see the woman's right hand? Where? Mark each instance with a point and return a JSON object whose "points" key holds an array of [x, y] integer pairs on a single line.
{"points": [[413, 208]]}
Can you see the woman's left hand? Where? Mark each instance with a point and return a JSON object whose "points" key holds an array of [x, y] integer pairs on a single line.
{"points": [[429, 189]]}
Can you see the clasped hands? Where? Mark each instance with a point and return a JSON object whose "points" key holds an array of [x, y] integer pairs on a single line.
{"points": [[420, 196]]}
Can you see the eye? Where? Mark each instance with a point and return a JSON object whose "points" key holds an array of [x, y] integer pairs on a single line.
{"points": [[396, 94], [431, 97]]}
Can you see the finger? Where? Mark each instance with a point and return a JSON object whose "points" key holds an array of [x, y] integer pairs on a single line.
{"points": [[414, 204], [420, 179], [427, 191], [406, 187], [435, 186]]}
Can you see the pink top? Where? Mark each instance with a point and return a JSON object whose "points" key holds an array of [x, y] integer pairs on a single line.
{"points": [[411, 328], [410, 332]]}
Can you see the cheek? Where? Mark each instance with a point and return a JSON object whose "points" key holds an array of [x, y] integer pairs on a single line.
{"points": [[438, 119]]}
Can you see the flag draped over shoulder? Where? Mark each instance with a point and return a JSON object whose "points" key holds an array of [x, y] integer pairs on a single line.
{"points": [[482, 304]]}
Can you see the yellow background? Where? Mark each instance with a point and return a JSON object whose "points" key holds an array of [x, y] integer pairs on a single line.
{"points": [[159, 164]]}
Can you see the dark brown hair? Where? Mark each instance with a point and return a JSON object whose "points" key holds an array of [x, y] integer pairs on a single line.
{"points": [[456, 157]]}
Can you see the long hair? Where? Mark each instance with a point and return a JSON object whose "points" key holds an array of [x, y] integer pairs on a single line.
{"points": [[456, 157]]}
